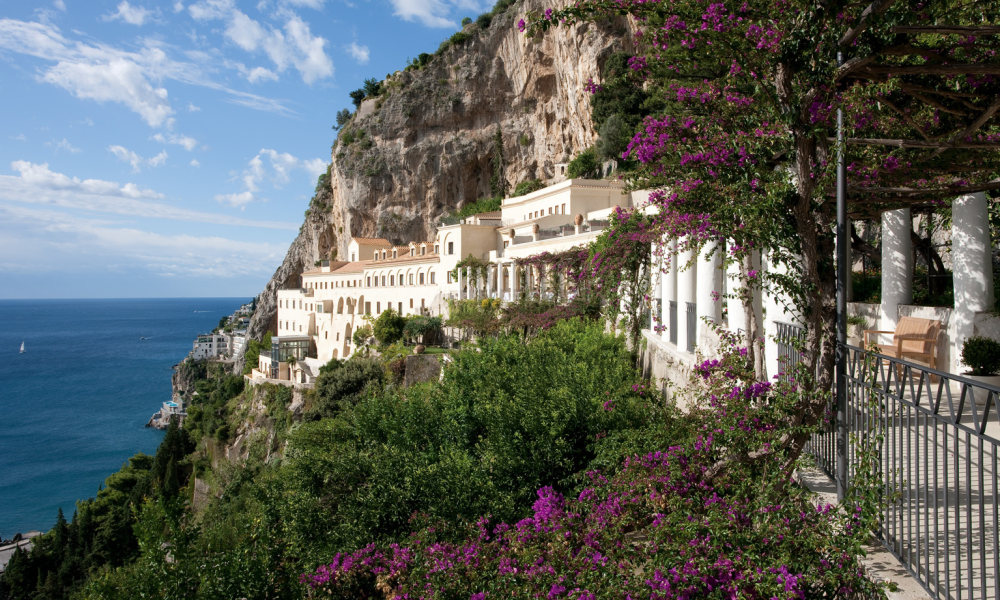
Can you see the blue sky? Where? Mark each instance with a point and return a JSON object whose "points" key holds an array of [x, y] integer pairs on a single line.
{"points": [[154, 149]]}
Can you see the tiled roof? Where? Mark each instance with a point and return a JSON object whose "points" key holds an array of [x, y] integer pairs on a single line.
{"points": [[373, 241], [353, 267]]}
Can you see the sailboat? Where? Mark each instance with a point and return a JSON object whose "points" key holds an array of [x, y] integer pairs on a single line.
{"points": [[22, 346]]}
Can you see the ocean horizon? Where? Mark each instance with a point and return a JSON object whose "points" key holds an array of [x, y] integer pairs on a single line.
{"points": [[74, 405]]}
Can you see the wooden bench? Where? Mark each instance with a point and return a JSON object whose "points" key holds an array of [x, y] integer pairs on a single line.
{"points": [[914, 339]]}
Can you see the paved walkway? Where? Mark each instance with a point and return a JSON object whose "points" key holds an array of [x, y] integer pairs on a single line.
{"points": [[940, 465]]}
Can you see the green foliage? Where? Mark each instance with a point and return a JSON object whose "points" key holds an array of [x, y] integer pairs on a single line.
{"points": [[478, 317], [388, 327], [509, 416], [207, 412], [361, 335], [498, 181], [982, 355], [459, 38], [101, 534], [466, 21], [524, 139], [615, 133], [483, 21], [372, 87], [620, 93], [348, 136], [342, 384], [357, 97], [526, 187], [423, 328], [252, 353], [343, 118], [323, 181], [473, 208], [584, 165]]}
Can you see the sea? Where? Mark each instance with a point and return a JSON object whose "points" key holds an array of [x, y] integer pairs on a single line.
{"points": [[74, 404]]}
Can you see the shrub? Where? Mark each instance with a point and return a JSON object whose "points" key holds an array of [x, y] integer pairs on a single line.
{"points": [[372, 87], [345, 383], [584, 165], [483, 21], [982, 355], [389, 327], [466, 21], [526, 187], [459, 38], [361, 335], [357, 97], [343, 117], [428, 329]]}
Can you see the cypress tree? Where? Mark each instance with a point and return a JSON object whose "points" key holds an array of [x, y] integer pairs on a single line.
{"points": [[498, 183]]}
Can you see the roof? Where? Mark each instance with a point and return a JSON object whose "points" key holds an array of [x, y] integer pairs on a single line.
{"points": [[352, 267], [404, 259], [365, 241], [493, 214]]}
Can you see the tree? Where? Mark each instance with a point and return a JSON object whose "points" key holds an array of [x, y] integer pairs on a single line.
{"points": [[751, 91], [388, 327], [584, 165], [372, 87], [498, 181], [357, 97], [343, 116]]}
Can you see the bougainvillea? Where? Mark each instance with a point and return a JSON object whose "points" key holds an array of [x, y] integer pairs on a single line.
{"points": [[745, 148]]}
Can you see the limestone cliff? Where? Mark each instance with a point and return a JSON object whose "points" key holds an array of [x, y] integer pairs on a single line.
{"points": [[423, 147]]}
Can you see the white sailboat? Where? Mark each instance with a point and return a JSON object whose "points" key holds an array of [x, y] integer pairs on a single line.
{"points": [[22, 346]]}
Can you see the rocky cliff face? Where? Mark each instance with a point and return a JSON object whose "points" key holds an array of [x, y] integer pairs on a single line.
{"points": [[423, 147]]}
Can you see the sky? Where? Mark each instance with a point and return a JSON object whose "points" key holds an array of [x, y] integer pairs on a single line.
{"points": [[170, 149]]}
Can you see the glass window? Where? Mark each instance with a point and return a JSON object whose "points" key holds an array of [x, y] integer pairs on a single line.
{"points": [[451, 247]]}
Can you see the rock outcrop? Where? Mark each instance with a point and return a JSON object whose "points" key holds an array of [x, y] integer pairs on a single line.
{"points": [[423, 147]]}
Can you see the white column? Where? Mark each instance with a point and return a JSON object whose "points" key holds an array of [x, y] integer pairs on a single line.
{"points": [[669, 284], [778, 307], [972, 267], [709, 286], [897, 265], [686, 294], [736, 317], [461, 285]]}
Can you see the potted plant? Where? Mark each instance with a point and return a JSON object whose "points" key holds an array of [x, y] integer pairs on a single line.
{"points": [[982, 355]]}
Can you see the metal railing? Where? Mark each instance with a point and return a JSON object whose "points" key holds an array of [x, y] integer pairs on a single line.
{"points": [[939, 462]]}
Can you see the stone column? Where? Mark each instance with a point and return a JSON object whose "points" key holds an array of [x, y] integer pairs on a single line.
{"points": [[736, 317], [687, 293], [461, 285], [897, 265], [670, 286], [972, 265], [709, 285], [778, 308]]}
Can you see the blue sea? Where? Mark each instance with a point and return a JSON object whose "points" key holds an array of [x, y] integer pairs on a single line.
{"points": [[73, 406]]}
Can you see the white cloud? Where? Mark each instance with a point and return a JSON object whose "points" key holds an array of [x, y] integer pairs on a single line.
{"points": [[178, 7], [106, 74], [64, 144], [258, 74], [269, 166], [194, 163], [19, 137], [193, 108], [60, 5], [116, 80], [133, 15], [360, 53], [38, 185], [125, 155], [185, 141], [291, 45], [432, 13]]}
